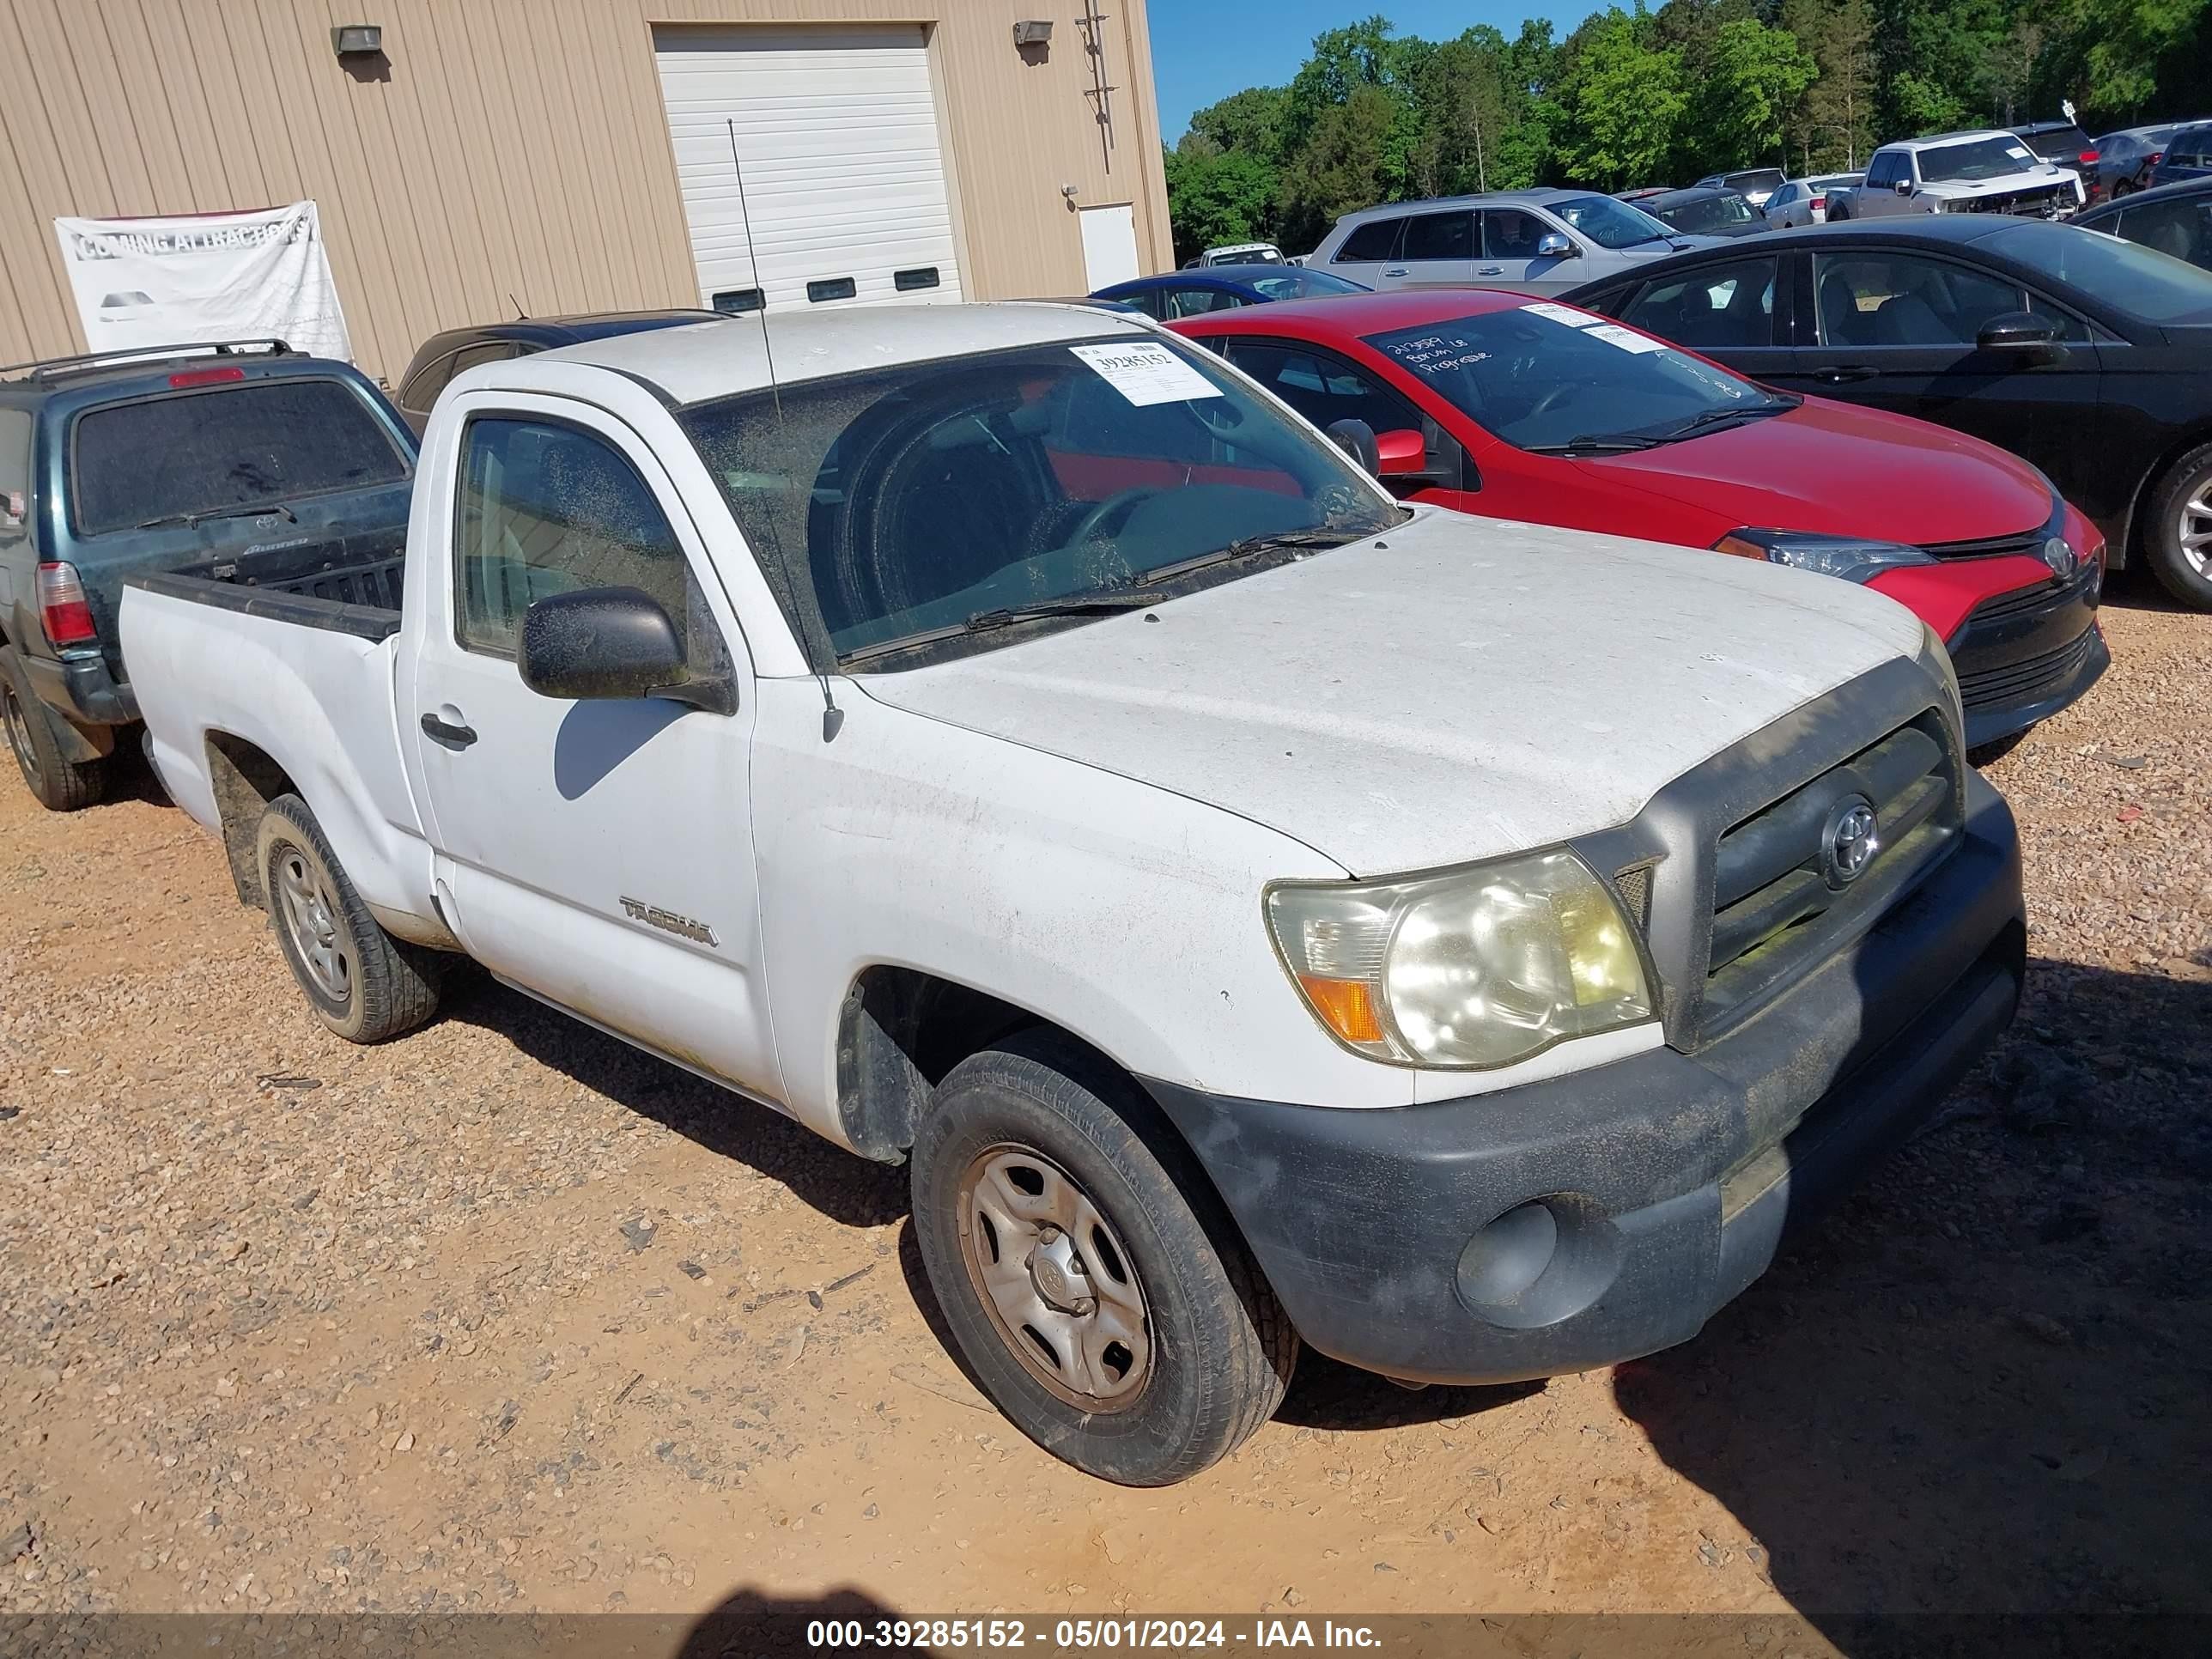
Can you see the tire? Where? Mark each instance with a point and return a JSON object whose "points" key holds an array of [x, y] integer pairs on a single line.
{"points": [[61, 784], [1213, 1351], [361, 983], [2181, 506]]}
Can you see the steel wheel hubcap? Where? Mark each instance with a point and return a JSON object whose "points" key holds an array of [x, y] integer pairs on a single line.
{"points": [[1050, 1271], [310, 912], [2197, 528]]}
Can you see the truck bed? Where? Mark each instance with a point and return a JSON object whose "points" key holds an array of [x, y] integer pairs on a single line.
{"points": [[348, 586]]}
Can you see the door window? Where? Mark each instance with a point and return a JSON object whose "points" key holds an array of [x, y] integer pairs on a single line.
{"points": [[1905, 300], [548, 508], [1370, 244], [1323, 388], [1509, 233], [1885, 170], [2181, 229], [1712, 307], [1439, 236], [1197, 301]]}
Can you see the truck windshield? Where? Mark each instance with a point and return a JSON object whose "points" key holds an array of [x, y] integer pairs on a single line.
{"points": [[1974, 161], [181, 456], [904, 505], [1553, 380]]}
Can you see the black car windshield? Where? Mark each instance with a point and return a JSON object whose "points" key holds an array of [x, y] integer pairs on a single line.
{"points": [[1712, 216], [1295, 283], [2126, 275], [1975, 159], [1547, 377], [940, 500], [1607, 222]]}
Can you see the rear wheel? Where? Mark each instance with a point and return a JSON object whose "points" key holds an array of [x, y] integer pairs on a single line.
{"points": [[362, 983], [1092, 1282], [61, 784], [2177, 536]]}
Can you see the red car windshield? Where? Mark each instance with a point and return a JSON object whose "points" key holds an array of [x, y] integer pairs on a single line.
{"points": [[1550, 379]]}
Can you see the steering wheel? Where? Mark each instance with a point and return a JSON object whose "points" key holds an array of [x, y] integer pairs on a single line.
{"points": [[1558, 394], [1119, 503]]}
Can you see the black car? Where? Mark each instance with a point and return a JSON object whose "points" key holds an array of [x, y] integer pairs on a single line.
{"points": [[2174, 218], [2089, 357], [444, 355], [1704, 210], [2063, 145]]}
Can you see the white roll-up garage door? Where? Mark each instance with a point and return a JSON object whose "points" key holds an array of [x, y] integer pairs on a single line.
{"points": [[835, 129]]}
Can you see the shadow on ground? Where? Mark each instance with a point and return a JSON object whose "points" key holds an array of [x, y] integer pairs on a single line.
{"points": [[1981, 1387]]}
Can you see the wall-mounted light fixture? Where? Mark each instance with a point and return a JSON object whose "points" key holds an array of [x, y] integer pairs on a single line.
{"points": [[357, 40], [1034, 32]]}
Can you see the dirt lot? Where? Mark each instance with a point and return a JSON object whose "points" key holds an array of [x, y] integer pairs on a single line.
{"points": [[504, 1316]]}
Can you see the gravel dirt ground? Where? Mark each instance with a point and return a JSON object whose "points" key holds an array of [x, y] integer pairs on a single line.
{"points": [[504, 1316]]}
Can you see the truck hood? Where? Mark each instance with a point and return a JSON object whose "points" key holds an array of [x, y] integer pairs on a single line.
{"points": [[1456, 689], [1805, 470], [2025, 178]]}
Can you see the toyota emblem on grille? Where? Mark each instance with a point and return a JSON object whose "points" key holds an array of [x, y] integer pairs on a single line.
{"points": [[1848, 844]]}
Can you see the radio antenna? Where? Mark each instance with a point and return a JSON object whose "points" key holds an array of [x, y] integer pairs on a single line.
{"points": [[752, 258]]}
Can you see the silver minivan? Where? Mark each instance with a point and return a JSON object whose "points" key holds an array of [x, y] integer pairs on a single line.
{"points": [[1535, 242]]}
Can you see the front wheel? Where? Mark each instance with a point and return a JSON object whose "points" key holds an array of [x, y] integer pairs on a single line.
{"points": [[2177, 537], [1093, 1282], [362, 983]]}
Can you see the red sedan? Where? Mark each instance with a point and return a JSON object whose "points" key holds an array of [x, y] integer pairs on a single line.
{"points": [[1502, 405]]}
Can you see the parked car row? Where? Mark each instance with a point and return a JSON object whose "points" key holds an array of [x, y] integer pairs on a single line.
{"points": [[1258, 909]]}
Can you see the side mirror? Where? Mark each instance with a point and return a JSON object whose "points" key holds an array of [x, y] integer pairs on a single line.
{"points": [[1398, 453], [601, 642], [2021, 333], [1903, 187], [1553, 245], [1356, 439]]}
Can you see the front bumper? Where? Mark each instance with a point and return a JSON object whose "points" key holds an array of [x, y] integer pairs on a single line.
{"points": [[1592, 1218], [2022, 657]]}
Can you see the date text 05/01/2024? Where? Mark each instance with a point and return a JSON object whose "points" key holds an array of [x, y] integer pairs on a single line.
{"points": [[1085, 1635]]}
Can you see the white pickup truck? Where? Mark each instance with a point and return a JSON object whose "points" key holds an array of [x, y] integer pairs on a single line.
{"points": [[1012, 742]]}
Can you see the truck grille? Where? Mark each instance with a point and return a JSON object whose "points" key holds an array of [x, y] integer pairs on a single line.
{"points": [[1784, 887], [2042, 201]]}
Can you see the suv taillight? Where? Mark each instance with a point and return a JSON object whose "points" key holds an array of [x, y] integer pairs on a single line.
{"points": [[2086, 157], [61, 610]]}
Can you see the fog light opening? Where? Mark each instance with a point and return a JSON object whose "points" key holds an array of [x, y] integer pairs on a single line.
{"points": [[1540, 1262]]}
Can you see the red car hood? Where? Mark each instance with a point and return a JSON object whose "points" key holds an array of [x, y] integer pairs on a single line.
{"points": [[1831, 467]]}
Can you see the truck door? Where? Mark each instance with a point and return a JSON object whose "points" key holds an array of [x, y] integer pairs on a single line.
{"points": [[600, 853]]}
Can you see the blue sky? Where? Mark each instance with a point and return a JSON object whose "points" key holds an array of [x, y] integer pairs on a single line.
{"points": [[1202, 51]]}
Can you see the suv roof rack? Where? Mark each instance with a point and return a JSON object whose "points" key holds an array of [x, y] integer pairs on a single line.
{"points": [[50, 369]]}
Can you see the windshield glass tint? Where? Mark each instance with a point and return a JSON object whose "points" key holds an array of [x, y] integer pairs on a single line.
{"points": [[1977, 159], [894, 504], [1607, 222], [230, 445], [1546, 379], [1714, 213], [1295, 282], [2137, 280]]}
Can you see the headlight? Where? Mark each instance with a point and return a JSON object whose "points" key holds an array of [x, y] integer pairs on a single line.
{"points": [[1851, 557], [1477, 967]]}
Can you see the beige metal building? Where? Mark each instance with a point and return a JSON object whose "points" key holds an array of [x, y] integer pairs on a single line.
{"points": [[567, 156]]}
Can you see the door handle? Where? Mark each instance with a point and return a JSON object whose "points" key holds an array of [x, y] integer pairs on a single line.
{"points": [[452, 737], [1393, 270], [1492, 271], [1845, 375]]}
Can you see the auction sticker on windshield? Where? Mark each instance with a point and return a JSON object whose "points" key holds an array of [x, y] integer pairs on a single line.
{"points": [[1566, 315], [1627, 339], [1146, 373]]}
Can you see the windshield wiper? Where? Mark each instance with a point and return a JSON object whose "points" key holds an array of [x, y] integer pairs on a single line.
{"points": [[1713, 418], [192, 520], [1075, 605], [1245, 546], [1593, 443]]}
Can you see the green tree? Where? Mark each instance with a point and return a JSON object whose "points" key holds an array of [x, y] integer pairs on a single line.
{"points": [[1833, 124], [1623, 101], [1249, 123], [1359, 153], [1753, 77], [1217, 195]]}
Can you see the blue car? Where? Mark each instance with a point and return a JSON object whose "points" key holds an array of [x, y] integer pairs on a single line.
{"points": [[1192, 292], [2188, 156]]}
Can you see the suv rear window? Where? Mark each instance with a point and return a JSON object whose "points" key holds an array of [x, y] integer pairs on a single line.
{"points": [[2058, 144], [196, 453]]}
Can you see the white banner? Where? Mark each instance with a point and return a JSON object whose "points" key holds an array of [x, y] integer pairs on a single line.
{"points": [[205, 276]]}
